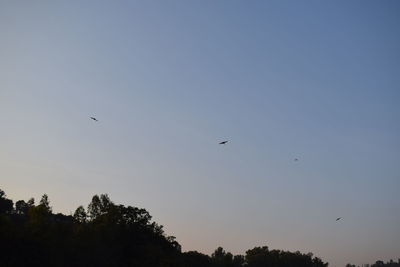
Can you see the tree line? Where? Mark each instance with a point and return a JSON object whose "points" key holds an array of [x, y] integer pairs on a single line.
{"points": [[379, 263], [107, 234]]}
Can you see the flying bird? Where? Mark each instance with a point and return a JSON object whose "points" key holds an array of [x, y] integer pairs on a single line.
{"points": [[223, 142], [296, 159], [338, 218], [93, 118]]}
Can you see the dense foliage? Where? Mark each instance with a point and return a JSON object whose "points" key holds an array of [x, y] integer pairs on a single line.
{"points": [[106, 234], [390, 263]]}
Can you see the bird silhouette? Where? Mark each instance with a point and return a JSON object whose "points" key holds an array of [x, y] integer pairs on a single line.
{"points": [[296, 159], [338, 218], [93, 118], [223, 142]]}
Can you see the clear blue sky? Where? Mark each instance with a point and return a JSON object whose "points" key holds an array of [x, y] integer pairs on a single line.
{"points": [[314, 80]]}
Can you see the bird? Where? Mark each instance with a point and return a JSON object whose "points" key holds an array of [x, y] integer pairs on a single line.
{"points": [[93, 118], [223, 142], [338, 218], [296, 159]]}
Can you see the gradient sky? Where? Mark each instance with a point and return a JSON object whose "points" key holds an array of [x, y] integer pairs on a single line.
{"points": [[314, 80]]}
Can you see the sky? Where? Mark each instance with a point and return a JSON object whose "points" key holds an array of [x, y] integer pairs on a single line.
{"points": [[168, 80]]}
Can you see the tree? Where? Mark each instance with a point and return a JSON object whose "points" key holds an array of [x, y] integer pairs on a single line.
{"points": [[105, 203], [318, 262], [261, 256], [195, 259], [94, 208], [6, 205], [99, 206], [221, 258], [257, 256], [21, 207], [31, 202], [45, 203], [115, 235], [238, 261], [80, 215]]}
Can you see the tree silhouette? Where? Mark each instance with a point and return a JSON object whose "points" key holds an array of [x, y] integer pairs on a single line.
{"points": [[106, 234], [6, 205], [80, 215]]}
